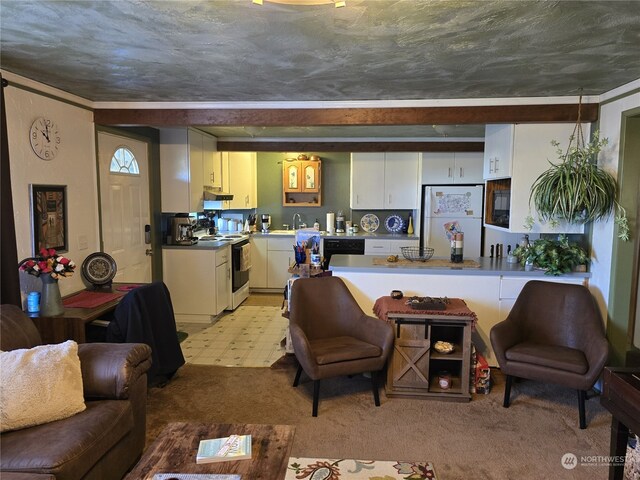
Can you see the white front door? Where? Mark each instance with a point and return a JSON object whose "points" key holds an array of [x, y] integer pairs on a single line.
{"points": [[124, 196]]}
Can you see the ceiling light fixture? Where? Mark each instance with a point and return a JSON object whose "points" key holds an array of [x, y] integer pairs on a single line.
{"points": [[336, 3]]}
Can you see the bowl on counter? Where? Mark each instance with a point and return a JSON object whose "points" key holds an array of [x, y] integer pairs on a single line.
{"points": [[417, 254]]}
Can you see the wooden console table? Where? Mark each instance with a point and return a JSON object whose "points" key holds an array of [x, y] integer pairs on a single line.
{"points": [[414, 366], [621, 396], [71, 325], [174, 451]]}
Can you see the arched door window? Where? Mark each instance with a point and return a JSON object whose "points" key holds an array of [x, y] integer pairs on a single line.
{"points": [[124, 161]]}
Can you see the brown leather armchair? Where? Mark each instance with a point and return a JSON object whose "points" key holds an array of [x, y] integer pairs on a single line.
{"points": [[332, 336], [103, 441], [554, 333]]}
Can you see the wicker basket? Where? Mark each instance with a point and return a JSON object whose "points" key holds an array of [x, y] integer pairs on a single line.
{"points": [[417, 254]]}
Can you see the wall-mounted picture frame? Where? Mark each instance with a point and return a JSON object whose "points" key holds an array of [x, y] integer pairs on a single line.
{"points": [[49, 217]]}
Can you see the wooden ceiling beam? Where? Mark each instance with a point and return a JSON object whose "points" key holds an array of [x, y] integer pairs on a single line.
{"points": [[302, 117], [292, 146]]}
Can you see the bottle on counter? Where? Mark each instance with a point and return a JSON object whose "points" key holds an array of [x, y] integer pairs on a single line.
{"points": [[459, 247], [410, 227]]}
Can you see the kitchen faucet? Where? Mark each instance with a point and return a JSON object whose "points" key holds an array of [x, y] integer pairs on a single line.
{"points": [[294, 220]]}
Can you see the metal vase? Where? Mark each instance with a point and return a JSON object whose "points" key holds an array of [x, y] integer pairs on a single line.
{"points": [[50, 298]]}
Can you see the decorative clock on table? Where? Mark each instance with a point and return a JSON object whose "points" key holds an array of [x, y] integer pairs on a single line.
{"points": [[99, 269], [45, 138]]}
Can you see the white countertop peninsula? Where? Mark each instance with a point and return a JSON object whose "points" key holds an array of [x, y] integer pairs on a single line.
{"points": [[489, 290]]}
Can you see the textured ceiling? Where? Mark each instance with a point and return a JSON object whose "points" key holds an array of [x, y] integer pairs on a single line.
{"points": [[233, 50]]}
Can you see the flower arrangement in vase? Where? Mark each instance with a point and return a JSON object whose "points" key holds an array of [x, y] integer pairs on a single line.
{"points": [[49, 266], [48, 262]]}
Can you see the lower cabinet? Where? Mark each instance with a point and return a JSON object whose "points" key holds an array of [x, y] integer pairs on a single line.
{"points": [[223, 278], [381, 246], [280, 257], [270, 261], [416, 369], [510, 288], [199, 284]]}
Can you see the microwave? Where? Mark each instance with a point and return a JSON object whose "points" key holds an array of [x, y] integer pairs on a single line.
{"points": [[501, 203]]}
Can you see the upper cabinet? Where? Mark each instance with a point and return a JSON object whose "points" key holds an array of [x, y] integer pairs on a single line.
{"points": [[212, 163], [182, 169], [445, 168], [507, 197], [498, 150], [301, 183], [240, 179], [384, 180]]}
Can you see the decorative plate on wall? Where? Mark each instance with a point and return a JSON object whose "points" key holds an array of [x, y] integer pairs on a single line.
{"points": [[370, 223], [394, 224], [99, 268]]}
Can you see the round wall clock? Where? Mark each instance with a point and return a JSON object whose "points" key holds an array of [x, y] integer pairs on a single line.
{"points": [[45, 138]]}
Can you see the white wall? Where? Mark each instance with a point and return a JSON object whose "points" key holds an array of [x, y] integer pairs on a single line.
{"points": [[74, 166], [603, 231]]}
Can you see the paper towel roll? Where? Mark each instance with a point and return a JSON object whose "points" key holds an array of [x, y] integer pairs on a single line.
{"points": [[331, 222]]}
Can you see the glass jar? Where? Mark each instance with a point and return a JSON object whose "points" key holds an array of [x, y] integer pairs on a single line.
{"points": [[444, 380]]}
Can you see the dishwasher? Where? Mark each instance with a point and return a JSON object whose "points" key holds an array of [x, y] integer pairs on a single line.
{"points": [[346, 246]]}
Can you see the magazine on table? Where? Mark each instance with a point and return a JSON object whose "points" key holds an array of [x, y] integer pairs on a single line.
{"points": [[234, 447]]}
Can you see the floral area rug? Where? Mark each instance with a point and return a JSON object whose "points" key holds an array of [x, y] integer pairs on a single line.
{"points": [[347, 469]]}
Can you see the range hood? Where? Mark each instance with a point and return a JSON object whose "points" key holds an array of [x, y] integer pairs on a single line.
{"points": [[212, 195]]}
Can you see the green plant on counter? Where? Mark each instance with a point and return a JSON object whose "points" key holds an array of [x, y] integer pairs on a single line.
{"points": [[555, 256], [577, 190]]}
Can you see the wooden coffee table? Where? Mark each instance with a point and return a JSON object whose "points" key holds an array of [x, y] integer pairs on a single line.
{"points": [[174, 451]]}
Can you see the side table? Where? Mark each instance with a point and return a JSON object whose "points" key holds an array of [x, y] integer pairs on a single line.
{"points": [[415, 366]]}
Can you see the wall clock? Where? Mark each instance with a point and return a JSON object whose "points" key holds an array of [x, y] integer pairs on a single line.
{"points": [[45, 138]]}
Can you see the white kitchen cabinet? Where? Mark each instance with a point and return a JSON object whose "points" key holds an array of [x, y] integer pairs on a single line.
{"points": [[498, 150], [531, 153], [199, 281], [212, 163], [367, 180], [510, 288], [395, 246], [223, 278], [240, 179], [181, 170], [446, 168], [258, 272], [279, 257], [384, 180], [382, 246]]}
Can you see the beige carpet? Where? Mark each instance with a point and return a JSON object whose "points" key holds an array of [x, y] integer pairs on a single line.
{"points": [[479, 439]]}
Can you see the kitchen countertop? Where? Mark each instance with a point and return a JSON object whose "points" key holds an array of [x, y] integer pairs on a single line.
{"points": [[323, 234], [488, 266]]}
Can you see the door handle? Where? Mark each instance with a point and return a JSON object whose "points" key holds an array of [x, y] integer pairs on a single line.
{"points": [[449, 174], [495, 168], [461, 174], [148, 252]]}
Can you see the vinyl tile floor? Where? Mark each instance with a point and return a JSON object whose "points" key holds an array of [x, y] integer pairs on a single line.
{"points": [[250, 336]]}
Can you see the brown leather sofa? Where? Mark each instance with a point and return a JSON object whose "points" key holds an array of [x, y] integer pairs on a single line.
{"points": [[102, 442], [554, 334]]}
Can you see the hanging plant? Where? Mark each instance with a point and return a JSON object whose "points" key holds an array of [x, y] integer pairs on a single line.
{"points": [[577, 190]]}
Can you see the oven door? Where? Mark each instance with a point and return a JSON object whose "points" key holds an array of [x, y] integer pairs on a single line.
{"points": [[239, 277]]}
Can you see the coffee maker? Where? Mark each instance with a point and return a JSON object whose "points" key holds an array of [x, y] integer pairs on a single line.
{"points": [[265, 219], [182, 228]]}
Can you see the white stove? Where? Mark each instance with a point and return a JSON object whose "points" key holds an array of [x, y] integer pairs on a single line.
{"points": [[232, 238]]}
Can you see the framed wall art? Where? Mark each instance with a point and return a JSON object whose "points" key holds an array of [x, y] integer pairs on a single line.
{"points": [[49, 217]]}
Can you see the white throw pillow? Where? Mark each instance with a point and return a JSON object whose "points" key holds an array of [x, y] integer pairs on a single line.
{"points": [[40, 385]]}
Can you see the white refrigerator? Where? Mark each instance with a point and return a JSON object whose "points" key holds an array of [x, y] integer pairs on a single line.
{"points": [[447, 209]]}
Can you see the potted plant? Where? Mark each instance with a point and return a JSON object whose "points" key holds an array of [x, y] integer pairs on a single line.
{"points": [[577, 190], [554, 256]]}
